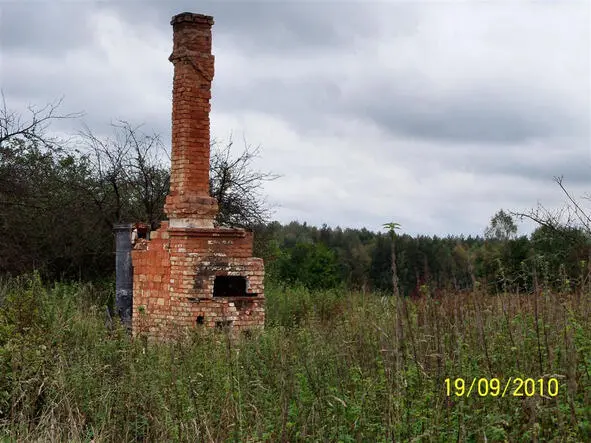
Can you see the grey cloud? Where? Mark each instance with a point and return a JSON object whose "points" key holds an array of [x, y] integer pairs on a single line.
{"points": [[279, 27], [485, 113], [101, 102], [293, 28], [543, 165], [293, 100], [489, 114], [44, 28]]}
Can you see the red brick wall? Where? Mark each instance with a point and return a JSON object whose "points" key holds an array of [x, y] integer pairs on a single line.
{"points": [[151, 277], [174, 275]]}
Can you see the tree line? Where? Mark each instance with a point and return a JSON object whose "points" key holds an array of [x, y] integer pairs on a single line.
{"points": [[360, 259], [59, 200]]}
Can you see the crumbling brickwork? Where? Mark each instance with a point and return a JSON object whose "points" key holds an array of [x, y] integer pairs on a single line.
{"points": [[190, 273]]}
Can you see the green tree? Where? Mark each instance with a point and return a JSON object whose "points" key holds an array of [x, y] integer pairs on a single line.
{"points": [[380, 271], [310, 264], [47, 222], [502, 227], [558, 254]]}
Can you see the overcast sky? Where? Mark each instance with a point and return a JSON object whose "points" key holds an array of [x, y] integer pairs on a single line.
{"points": [[432, 114]]}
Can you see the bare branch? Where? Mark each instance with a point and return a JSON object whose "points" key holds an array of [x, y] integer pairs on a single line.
{"points": [[583, 218], [33, 128], [237, 186]]}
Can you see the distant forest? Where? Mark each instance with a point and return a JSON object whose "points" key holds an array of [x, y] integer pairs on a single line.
{"points": [[57, 213], [361, 259], [58, 202]]}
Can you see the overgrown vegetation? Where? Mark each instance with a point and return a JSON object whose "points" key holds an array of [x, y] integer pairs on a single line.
{"points": [[326, 368], [340, 359]]}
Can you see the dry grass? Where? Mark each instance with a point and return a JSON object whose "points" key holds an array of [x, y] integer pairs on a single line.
{"points": [[328, 367]]}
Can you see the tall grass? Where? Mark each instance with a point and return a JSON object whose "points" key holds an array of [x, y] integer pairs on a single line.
{"points": [[327, 367]]}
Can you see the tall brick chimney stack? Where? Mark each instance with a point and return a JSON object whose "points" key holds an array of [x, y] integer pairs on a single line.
{"points": [[188, 204], [188, 273]]}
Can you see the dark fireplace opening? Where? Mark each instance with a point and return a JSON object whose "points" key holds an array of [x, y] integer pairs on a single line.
{"points": [[229, 286]]}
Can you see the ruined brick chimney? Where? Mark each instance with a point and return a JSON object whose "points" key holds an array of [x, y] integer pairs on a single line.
{"points": [[188, 203], [189, 273]]}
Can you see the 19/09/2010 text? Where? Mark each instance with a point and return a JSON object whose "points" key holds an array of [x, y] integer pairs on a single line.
{"points": [[516, 387]]}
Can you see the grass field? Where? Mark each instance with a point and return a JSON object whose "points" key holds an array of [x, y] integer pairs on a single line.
{"points": [[329, 366]]}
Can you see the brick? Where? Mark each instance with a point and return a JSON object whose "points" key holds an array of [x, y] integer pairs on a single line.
{"points": [[183, 262]]}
